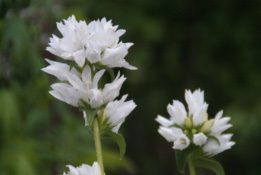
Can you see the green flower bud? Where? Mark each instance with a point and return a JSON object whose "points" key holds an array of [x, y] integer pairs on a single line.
{"points": [[188, 122], [194, 131], [185, 131], [207, 125]]}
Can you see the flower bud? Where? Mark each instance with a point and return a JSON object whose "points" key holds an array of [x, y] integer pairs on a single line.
{"points": [[188, 122], [207, 126], [194, 131], [185, 132]]}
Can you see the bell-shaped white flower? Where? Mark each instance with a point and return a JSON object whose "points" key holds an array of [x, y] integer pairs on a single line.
{"points": [[220, 124], [111, 90], [170, 134], [200, 114], [212, 147], [177, 112], [199, 139], [117, 111], [194, 100], [181, 143], [84, 170], [175, 135], [60, 70]]}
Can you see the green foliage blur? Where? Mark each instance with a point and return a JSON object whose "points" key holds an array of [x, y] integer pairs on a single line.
{"points": [[213, 45]]}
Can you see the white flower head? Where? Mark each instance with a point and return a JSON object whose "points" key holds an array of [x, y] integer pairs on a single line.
{"points": [[97, 42], [193, 127], [84, 170]]}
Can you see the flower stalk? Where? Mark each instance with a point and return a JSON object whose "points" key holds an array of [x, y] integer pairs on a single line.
{"points": [[97, 141], [192, 170]]}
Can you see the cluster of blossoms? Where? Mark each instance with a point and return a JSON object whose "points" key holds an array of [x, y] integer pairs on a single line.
{"points": [[96, 43], [193, 127], [91, 50], [88, 52]]}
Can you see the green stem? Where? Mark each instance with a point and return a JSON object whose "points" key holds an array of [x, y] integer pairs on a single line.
{"points": [[97, 140], [192, 170]]}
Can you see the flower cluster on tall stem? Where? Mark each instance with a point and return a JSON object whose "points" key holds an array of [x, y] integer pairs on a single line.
{"points": [[192, 131], [89, 50]]}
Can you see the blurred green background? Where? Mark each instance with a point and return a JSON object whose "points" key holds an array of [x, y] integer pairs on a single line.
{"points": [[178, 45]]}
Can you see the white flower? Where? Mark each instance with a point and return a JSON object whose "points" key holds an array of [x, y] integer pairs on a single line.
{"points": [[117, 111], [196, 105], [199, 139], [193, 127], [163, 121], [212, 147], [84, 170], [82, 88], [73, 41], [194, 100], [60, 70], [200, 115], [97, 42], [181, 143], [220, 124], [177, 112], [111, 90], [175, 135]]}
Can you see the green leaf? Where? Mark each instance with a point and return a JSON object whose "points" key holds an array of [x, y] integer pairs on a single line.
{"points": [[182, 157], [210, 164], [119, 139], [90, 114]]}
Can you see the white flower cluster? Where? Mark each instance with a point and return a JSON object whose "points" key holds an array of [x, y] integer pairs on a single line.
{"points": [[84, 170], [193, 127], [90, 50], [97, 42]]}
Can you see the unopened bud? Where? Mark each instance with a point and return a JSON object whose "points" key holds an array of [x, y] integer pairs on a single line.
{"points": [[207, 126], [185, 132], [194, 131], [188, 122]]}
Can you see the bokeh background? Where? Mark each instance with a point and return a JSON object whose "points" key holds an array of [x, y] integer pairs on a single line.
{"points": [[213, 45]]}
